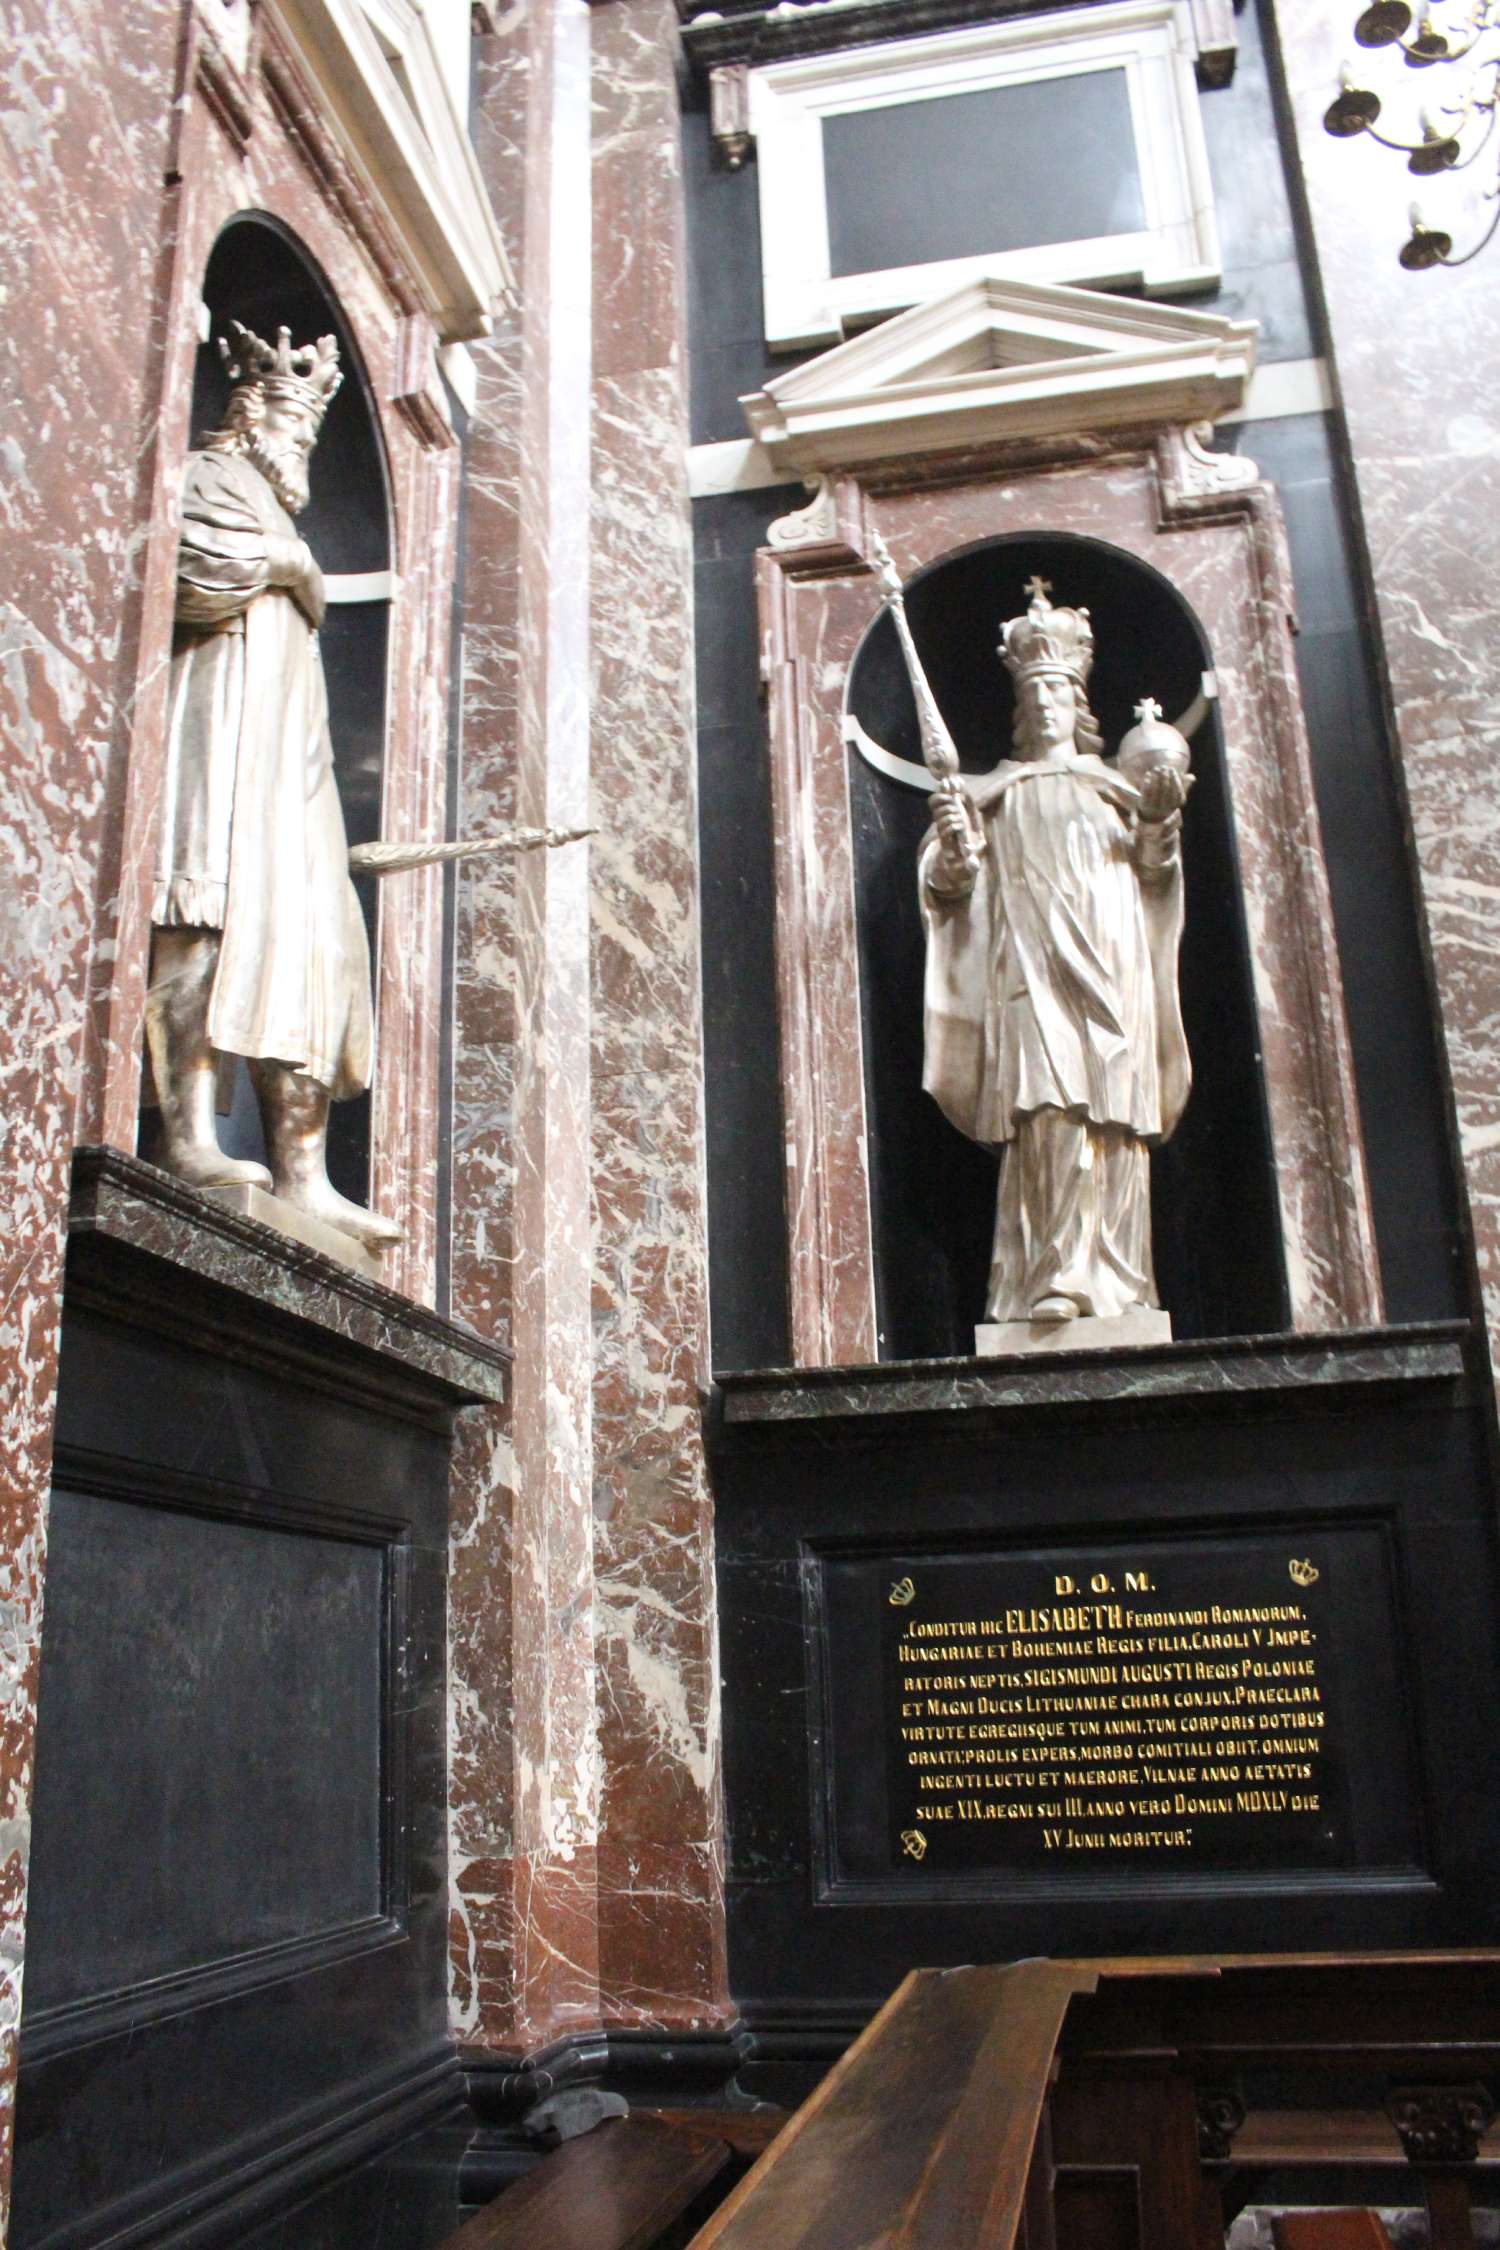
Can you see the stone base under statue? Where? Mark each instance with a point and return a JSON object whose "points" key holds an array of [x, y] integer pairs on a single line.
{"points": [[256, 1203], [1002, 1339]]}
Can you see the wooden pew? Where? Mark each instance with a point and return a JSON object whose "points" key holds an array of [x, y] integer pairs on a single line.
{"points": [[1096, 2105], [1329, 2230], [617, 2188]]}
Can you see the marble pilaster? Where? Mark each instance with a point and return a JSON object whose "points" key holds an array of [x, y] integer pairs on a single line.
{"points": [[82, 160], [523, 1740], [830, 1254], [586, 1824], [481, 1778], [661, 1940], [1414, 359]]}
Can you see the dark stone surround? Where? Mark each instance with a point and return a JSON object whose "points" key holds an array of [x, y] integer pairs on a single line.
{"points": [[237, 2017], [1374, 1443]]}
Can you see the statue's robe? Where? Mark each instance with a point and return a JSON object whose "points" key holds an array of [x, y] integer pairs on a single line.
{"points": [[1053, 1028], [252, 838]]}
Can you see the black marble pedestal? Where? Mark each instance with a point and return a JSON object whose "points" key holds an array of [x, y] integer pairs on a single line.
{"points": [[1204, 1473], [235, 2000]]}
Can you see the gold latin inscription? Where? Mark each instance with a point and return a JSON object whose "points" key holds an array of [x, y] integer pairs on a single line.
{"points": [[1111, 1720]]}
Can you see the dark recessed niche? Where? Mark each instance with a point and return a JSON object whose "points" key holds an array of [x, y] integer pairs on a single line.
{"points": [[257, 274], [970, 174], [1216, 1223]]}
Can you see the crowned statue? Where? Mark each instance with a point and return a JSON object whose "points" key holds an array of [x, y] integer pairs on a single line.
{"points": [[1051, 899], [259, 945]]}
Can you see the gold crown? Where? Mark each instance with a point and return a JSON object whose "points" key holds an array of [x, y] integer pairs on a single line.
{"points": [[1047, 639], [307, 372]]}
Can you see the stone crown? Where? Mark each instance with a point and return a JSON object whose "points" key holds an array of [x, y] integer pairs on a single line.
{"points": [[309, 372], [1045, 639]]}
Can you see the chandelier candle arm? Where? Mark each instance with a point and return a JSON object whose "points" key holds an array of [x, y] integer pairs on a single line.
{"points": [[1445, 126]]}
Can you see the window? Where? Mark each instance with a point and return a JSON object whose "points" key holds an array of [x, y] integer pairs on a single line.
{"points": [[1065, 148]]}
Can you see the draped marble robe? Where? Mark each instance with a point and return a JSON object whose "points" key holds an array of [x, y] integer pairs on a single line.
{"points": [[252, 839], [1053, 1029]]}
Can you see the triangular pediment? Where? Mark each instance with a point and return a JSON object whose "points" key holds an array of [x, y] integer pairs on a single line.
{"points": [[1001, 358]]}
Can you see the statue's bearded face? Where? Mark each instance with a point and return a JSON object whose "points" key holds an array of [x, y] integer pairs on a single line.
{"points": [[1049, 710], [279, 446]]}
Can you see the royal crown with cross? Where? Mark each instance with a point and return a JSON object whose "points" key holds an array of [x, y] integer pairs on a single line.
{"points": [[1047, 639], [308, 373]]}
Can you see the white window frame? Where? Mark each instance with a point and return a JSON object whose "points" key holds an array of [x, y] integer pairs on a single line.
{"points": [[1152, 41]]}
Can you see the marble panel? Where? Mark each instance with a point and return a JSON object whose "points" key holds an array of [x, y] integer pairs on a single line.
{"points": [[661, 1941], [1413, 357], [1214, 530], [523, 1731], [86, 144]]}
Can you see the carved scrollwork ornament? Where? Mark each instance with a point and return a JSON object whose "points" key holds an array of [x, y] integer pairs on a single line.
{"points": [[729, 113], [811, 526], [1441, 2124], [1221, 2113], [1190, 470]]}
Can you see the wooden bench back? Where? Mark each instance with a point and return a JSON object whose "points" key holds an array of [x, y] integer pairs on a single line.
{"points": [[1097, 2105]]}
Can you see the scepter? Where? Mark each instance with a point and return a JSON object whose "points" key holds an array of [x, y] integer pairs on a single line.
{"points": [[939, 752], [395, 859]]}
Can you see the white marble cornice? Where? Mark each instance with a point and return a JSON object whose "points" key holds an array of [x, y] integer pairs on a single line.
{"points": [[999, 359], [379, 80]]}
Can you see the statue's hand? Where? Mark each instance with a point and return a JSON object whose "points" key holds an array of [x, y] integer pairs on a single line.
{"points": [[1163, 793], [310, 593], [1158, 844], [958, 846], [295, 572]]}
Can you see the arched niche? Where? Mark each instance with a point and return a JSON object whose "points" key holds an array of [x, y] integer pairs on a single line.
{"points": [[259, 274], [1219, 1260]]}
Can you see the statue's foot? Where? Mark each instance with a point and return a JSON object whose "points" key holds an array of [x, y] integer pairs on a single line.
{"points": [[1054, 1308], [211, 1168], [321, 1200]]}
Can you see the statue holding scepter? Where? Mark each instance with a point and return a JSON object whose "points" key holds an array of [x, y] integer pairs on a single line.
{"points": [[1051, 899], [259, 947]]}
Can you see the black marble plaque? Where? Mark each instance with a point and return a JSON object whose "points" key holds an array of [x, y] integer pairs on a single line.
{"points": [[1197, 1706], [914, 182], [208, 1746]]}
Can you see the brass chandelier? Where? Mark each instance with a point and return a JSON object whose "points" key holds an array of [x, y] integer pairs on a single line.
{"points": [[1460, 44]]}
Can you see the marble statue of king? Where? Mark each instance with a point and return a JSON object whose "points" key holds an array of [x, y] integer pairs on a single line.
{"points": [[1051, 897], [259, 946]]}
